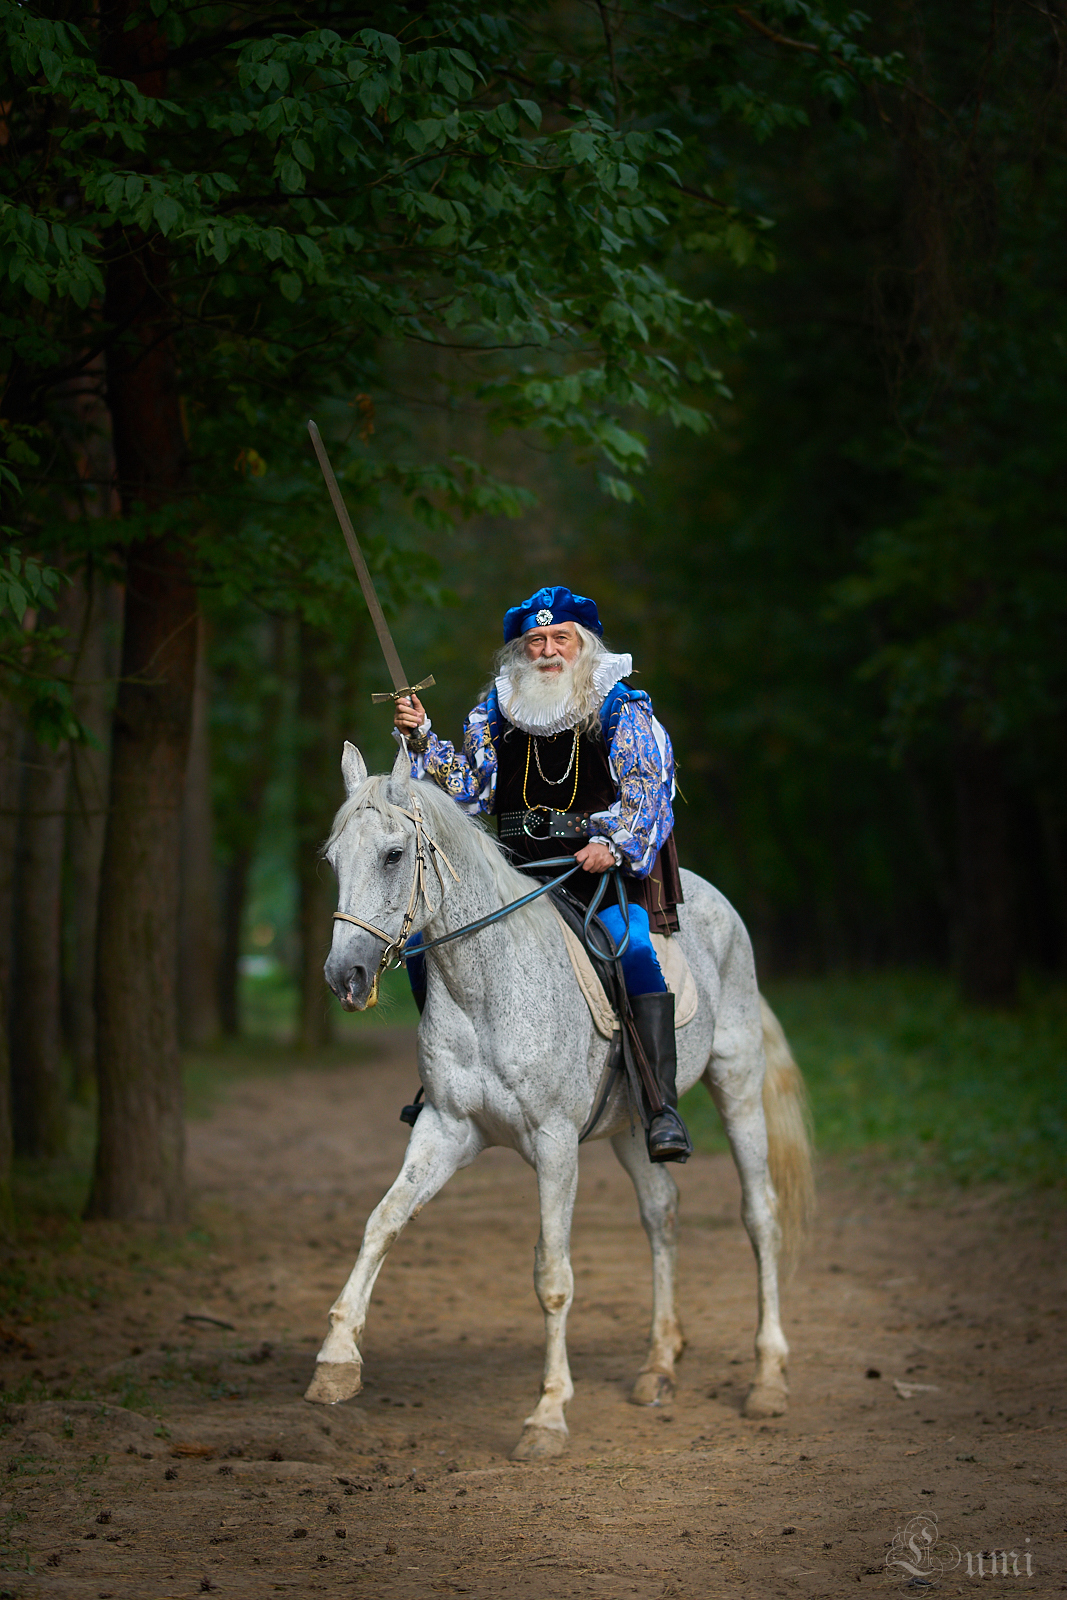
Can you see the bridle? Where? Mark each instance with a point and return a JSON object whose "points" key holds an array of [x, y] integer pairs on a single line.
{"points": [[392, 954]]}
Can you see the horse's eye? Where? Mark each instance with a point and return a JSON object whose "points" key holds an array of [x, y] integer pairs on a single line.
{"points": [[393, 857]]}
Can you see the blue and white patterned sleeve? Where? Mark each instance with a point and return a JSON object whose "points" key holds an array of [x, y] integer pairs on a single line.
{"points": [[468, 775], [642, 761]]}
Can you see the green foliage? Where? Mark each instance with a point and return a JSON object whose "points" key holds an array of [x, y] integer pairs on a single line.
{"points": [[861, 575], [24, 583], [965, 590], [338, 187], [316, 192], [897, 1064], [452, 179]]}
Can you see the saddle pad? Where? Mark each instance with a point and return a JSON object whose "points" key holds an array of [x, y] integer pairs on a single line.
{"points": [[673, 965]]}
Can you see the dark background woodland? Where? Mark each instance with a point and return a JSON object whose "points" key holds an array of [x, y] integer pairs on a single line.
{"points": [[763, 347]]}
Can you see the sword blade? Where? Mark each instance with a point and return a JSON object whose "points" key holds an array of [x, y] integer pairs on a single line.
{"points": [[377, 615]]}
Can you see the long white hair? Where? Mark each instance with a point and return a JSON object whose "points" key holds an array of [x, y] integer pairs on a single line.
{"points": [[512, 663]]}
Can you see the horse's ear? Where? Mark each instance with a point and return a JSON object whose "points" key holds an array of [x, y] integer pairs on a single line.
{"points": [[353, 769], [401, 772]]}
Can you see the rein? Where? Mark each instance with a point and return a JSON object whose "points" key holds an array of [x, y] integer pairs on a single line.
{"points": [[393, 953]]}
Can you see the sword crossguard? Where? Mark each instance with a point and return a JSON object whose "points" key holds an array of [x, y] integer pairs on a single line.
{"points": [[403, 694]]}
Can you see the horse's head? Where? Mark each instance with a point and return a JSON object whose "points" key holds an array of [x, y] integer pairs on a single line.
{"points": [[372, 850]]}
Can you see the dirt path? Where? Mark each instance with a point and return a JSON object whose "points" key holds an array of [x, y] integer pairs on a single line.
{"points": [[243, 1488]]}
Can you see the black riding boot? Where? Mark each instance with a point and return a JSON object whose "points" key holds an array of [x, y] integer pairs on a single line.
{"points": [[668, 1139]]}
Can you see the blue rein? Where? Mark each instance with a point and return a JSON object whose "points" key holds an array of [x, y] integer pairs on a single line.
{"points": [[610, 954]]}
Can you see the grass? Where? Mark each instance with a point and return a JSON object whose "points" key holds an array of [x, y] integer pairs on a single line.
{"points": [[896, 1062]]}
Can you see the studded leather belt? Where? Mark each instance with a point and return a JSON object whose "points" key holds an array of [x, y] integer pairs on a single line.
{"points": [[541, 823]]}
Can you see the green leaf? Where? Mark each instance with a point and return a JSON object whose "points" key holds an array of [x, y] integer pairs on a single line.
{"points": [[166, 212], [291, 176], [35, 283], [531, 111], [373, 92], [290, 285], [617, 488], [583, 145], [51, 66]]}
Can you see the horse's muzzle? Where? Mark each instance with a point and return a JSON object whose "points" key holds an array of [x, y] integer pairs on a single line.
{"points": [[351, 984]]}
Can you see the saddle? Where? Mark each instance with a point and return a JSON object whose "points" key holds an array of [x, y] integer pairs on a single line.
{"points": [[596, 979]]}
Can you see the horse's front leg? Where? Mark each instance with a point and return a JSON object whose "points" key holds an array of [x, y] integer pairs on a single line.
{"points": [[437, 1148], [657, 1197], [544, 1433]]}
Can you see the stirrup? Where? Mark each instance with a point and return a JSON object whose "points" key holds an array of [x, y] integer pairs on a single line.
{"points": [[410, 1114], [668, 1138]]}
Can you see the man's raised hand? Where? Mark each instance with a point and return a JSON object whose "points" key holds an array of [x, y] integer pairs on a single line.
{"points": [[409, 715]]}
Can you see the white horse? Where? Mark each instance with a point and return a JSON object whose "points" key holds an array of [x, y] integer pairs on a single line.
{"points": [[508, 1055]]}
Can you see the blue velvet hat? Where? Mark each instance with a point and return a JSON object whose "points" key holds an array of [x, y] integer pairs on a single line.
{"points": [[551, 605]]}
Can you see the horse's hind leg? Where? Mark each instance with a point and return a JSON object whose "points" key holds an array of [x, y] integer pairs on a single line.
{"points": [[657, 1198], [435, 1151], [544, 1433], [736, 1082]]}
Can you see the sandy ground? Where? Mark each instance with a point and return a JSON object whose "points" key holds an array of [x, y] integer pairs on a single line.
{"points": [[217, 1476]]}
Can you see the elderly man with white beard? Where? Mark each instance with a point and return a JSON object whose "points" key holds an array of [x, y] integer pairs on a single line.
{"points": [[569, 758]]}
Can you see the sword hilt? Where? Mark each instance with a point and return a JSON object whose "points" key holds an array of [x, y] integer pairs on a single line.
{"points": [[402, 694]]}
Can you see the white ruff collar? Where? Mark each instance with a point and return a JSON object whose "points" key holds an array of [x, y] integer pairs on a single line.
{"points": [[609, 669]]}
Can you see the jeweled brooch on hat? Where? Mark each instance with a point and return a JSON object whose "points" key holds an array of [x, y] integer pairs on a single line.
{"points": [[552, 603]]}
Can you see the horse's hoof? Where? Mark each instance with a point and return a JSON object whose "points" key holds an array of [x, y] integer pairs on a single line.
{"points": [[766, 1400], [539, 1444], [334, 1381], [652, 1389]]}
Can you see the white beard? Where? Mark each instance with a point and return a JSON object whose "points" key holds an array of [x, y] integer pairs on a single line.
{"points": [[544, 702]]}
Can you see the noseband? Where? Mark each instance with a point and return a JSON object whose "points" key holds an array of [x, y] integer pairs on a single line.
{"points": [[392, 954]]}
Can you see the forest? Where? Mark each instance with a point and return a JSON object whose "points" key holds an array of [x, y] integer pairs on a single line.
{"points": [[748, 320]]}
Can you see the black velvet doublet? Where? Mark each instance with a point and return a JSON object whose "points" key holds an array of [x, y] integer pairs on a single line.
{"points": [[659, 893]]}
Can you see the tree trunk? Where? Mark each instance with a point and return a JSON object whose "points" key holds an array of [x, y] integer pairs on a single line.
{"points": [[140, 1155], [252, 682], [234, 894], [198, 962], [96, 668], [38, 1078], [988, 937], [10, 739], [38, 1090], [139, 1172], [317, 714]]}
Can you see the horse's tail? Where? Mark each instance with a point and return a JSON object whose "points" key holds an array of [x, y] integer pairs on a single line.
{"points": [[789, 1136]]}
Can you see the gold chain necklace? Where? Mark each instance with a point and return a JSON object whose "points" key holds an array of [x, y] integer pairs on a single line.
{"points": [[560, 811]]}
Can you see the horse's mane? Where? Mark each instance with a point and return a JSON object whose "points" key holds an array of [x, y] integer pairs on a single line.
{"points": [[466, 843]]}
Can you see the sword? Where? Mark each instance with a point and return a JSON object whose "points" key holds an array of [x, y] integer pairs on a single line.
{"points": [[401, 688]]}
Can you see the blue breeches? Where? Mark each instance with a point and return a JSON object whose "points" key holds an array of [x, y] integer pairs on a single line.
{"points": [[640, 967]]}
